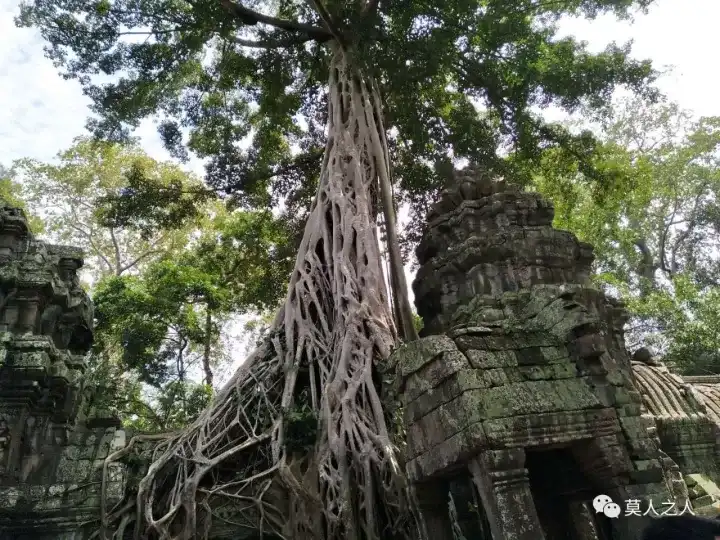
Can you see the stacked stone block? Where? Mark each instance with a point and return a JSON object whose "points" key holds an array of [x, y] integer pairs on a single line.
{"points": [[688, 426], [521, 354]]}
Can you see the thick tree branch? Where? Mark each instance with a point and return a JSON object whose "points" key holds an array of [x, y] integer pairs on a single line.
{"points": [[647, 264], [646, 267], [140, 258], [251, 18], [684, 235], [664, 236], [207, 348], [116, 249], [330, 24], [276, 43]]}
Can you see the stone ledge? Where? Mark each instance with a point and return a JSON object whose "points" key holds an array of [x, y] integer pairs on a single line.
{"points": [[518, 432], [554, 428]]}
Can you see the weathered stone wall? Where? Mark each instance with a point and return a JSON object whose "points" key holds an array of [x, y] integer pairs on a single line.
{"points": [[688, 425], [58, 488], [522, 355], [52, 447], [485, 238], [495, 386]]}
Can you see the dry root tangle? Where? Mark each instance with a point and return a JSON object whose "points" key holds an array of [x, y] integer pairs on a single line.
{"points": [[323, 350]]}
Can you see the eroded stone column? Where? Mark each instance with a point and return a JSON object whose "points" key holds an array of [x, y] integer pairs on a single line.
{"points": [[29, 303], [432, 498], [504, 486], [12, 229]]}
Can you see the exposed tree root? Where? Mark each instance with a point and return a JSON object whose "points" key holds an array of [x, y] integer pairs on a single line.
{"points": [[322, 353]]}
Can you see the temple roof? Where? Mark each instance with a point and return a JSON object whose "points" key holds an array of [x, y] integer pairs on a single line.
{"points": [[668, 395], [711, 398], [485, 237]]}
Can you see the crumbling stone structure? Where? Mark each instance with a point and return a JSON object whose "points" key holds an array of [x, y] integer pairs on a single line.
{"points": [[522, 382], [686, 411], [52, 445]]}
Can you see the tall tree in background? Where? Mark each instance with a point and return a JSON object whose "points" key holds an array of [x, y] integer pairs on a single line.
{"points": [[373, 82], [248, 258], [68, 193], [162, 292], [11, 193], [655, 225], [166, 321]]}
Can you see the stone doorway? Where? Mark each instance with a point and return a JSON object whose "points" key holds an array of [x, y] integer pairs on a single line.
{"points": [[563, 495], [472, 518]]}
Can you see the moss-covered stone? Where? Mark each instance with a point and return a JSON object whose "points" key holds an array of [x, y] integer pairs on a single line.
{"points": [[50, 459], [410, 357], [547, 364]]}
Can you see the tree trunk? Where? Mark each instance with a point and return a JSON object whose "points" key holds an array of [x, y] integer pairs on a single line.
{"points": [[206, 351], [338, 321], [321, 355]]}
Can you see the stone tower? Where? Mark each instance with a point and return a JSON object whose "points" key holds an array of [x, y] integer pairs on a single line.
{"points": [[522, 382], [52, 448]]}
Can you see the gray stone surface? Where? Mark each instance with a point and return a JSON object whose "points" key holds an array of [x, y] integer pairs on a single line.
{"points": [[687, 414], [51, 456], [539, 366]]}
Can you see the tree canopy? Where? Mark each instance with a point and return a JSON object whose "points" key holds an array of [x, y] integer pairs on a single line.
{"points": [[655, 227], [168, 319], [11, 193], [458, 79], [70, 193], [163, 290]]}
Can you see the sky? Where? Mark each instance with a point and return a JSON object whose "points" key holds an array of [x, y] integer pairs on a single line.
{"points": [[41, 113]]}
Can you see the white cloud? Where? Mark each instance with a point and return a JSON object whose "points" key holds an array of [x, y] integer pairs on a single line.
{"points": [[675, 33], [40, 112]]}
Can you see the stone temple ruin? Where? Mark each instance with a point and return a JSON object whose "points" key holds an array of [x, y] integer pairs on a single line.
{"points": [[522, 399], [52, 443], [521, 402]]}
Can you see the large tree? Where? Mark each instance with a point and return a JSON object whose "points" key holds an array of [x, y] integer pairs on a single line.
{"points": [[373, 83], [70, 194], [164, 289], [165, 322], [655, 224]]}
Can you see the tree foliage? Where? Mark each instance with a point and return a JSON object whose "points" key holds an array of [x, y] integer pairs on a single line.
{"points": [[11, 193], [159, 335], [163, 287], [70, 193], [458, 80], [655, 226], [168, 319]]}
